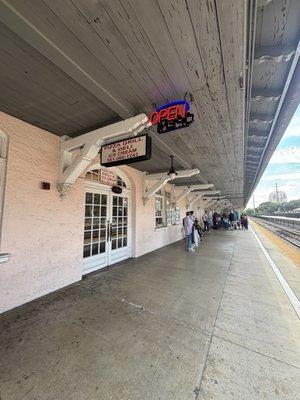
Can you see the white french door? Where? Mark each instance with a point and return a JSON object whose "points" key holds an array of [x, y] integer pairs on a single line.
{"points": [[106, 228]]}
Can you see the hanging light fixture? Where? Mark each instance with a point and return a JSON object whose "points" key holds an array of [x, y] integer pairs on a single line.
{"points": [[172, 173]]}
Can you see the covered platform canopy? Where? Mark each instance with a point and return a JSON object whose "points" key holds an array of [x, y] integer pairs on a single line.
{"points": [[72, 66]]}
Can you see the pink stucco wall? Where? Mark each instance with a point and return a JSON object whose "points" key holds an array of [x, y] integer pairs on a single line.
{"points": [[44, 232], [41, 231], [148, 238]]}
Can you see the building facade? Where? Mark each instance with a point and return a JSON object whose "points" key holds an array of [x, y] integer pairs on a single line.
{"points": [[52, 241], [278, 196]]}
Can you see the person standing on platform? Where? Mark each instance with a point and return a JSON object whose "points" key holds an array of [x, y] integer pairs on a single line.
{"points": [[188, 229], [205, 221], [225, 222], [231, 218]]}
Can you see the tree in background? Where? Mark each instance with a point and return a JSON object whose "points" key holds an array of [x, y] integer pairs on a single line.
{"points": [[249, 211], [267, 208], [291, 205]]}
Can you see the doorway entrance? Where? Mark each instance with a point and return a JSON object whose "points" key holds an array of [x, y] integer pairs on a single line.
{"points": [[107, 225]]}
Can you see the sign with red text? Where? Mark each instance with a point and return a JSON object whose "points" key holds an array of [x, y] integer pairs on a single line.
{"points": [[172, 116], [126, 151], [108, 177]]}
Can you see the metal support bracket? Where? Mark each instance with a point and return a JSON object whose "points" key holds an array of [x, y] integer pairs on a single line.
{"points": [[88, 146]]}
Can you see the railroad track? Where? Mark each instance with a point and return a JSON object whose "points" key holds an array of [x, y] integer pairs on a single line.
{"points": [[289, 234]]}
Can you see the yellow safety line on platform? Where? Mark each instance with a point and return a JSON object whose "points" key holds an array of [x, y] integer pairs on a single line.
{"points": [[290, 251]]}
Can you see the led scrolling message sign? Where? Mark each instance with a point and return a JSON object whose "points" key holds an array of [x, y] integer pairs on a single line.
{"points": [[172, 116]]}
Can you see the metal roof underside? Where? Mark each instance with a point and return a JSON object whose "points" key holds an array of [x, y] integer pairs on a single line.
{"points": [[72, 66], [274, 94]]}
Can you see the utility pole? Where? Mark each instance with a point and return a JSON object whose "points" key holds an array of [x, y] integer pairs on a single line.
{"points": [[277, 197], [277, 193], [253, 202]]}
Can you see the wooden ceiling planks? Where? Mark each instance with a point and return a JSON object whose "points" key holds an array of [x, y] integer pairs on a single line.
{"points": [[178, 20], [79, 22], [207, 32], [145, 52], [125, 19], [150, 80], [72, 56], [68, 106], [232, 43], [188, 55]]}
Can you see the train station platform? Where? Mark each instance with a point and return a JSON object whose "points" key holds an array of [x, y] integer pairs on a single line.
{"points": [[214, 324]]}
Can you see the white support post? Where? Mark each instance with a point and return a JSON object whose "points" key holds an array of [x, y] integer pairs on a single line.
{"points": [[88, 146], [162, 179]]}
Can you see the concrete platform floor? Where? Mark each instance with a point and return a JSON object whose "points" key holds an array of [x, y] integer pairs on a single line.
{"points": [[214, 324]]}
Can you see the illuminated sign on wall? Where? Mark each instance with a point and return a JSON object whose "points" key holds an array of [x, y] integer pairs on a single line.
{"points": [[126, 151], [172, 116]]}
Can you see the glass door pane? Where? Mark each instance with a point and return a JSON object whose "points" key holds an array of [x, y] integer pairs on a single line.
{"points": [[119, 222], [95, 224]]}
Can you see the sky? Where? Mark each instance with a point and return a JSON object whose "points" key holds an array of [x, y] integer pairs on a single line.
{"points": [[283, 167]]}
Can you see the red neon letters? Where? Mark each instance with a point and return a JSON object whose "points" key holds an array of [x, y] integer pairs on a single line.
{"points": [[170, 113]]}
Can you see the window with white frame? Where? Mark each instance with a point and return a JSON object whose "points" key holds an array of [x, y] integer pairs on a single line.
{"points": [[159, 209], [165, 212], [177, 215]]}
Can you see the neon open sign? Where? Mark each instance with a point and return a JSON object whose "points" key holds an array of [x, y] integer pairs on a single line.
{"points": [[172, 116]]}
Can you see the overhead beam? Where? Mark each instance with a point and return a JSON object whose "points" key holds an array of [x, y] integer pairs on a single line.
{"points": [[276, 55], [258, 132], [265, 95], [252, 157], [254, 149], [261, 118], [254, 140]]}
